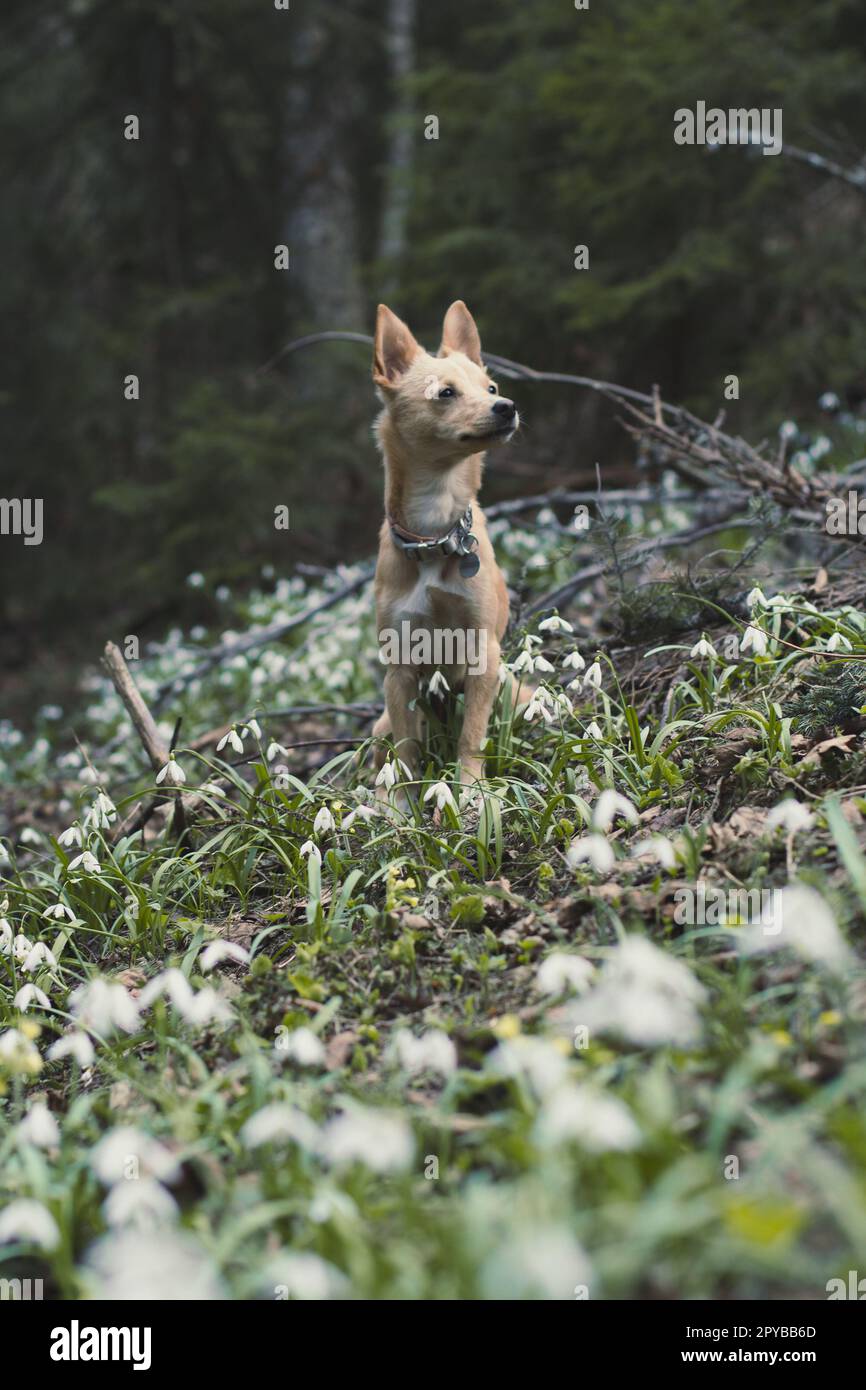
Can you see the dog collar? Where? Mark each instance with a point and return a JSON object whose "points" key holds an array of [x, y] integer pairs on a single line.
{"points": [[458, 541]]}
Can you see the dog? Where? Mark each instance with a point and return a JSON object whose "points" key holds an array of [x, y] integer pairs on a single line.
{"points": [[436, 573]]}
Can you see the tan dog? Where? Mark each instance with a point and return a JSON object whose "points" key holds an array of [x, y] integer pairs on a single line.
{"points": [[436, 573]]}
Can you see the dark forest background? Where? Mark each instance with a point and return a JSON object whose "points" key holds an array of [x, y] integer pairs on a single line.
{"points": [[306, 127]]}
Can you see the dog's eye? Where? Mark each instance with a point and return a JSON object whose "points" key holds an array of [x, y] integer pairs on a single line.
{"points": [[446, 392], [494, 390]]}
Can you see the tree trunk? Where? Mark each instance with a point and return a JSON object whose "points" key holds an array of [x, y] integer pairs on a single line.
{"points": [[400, 29]]}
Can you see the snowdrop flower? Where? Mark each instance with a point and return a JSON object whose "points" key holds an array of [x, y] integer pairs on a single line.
{"points": [[380, 1139], [658, 848], [29, 836], [362, 812], [593, 731], [538, 708], [58, 910], [217, 951], [704, 648], [303, 1046], [39, 955], [838, 640], [18, 1054], [574, 661], [644, 994], [544, 1263], [441, 793], [756, 598], [147, 1266], [610, 805], [828, 401], [87, 862], [592, 679], [232, 739], [305, 1276], [71, 836], [555, 624], [277, 1122], [537, 1062], [21, 947], [542, 664], [142, 1205], [559, 973], [754, 639], [599, 1123], [73, 1044], [433, 1051], [390, 772], [799, 918], [309, 847], [562, 703], [276, 750], [172, 774], [102, 812], [30, 1222], [324, 821], [438, 684], [253, 727], [31, 994], [38, 1127], [788, 430], [5, 937], [100, 1007], [592, 848], [127, 1152], [792, 815]]}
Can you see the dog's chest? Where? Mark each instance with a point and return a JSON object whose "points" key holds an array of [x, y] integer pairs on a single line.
{"points": [[438, 582]]}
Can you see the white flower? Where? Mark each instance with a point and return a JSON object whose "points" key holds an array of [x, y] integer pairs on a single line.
{"points": [[754, 639], [277, 1122], [100, 1007], [543, 1262], [86, 861], [788, 429], [29, 836], [363, 813], [390, 772], [70, 837], [216, 951], [542, 664], [756, 598], [594, 848], [536, 1061], [254, 728], [58, 910], [433, 1051], [276, 750], [305, 1276], [172, 774], [18, 1053], [791, 814], [592, 679], [523, 662], [704, 648], [441, 792], [645, 995], [5, 937], [198, 1009], [30, 1222], [597, 1122], [438, 684], [829, 401], [303, 1046], [128, 1153], [837, 641], [574, 661], [38, 1127], [102, 812], [380, 1139], [21, 947], [309, 847], [555, 624], [536, 708], [73, 1044], [593, 731], [610, 805], [143, 1205], [324, 821], [151, 1266], [658, 848], [31, 994], [559, 973], [798, 917], [233, 739], [39, 955]]}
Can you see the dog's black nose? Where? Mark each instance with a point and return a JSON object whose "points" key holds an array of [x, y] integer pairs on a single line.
{"points": [[507, 409]]}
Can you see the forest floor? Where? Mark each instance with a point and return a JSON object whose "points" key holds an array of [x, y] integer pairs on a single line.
{"points": [[594, 1031]]}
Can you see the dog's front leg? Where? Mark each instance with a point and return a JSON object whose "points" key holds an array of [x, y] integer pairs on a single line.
{"points": [[401, 689], [479, 693]]}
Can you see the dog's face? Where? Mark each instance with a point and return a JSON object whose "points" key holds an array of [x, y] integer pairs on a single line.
{"points": [[446, 406]]}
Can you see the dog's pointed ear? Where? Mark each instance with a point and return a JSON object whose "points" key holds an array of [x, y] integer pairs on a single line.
{"points": [[459, 333], [394, 348]]}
